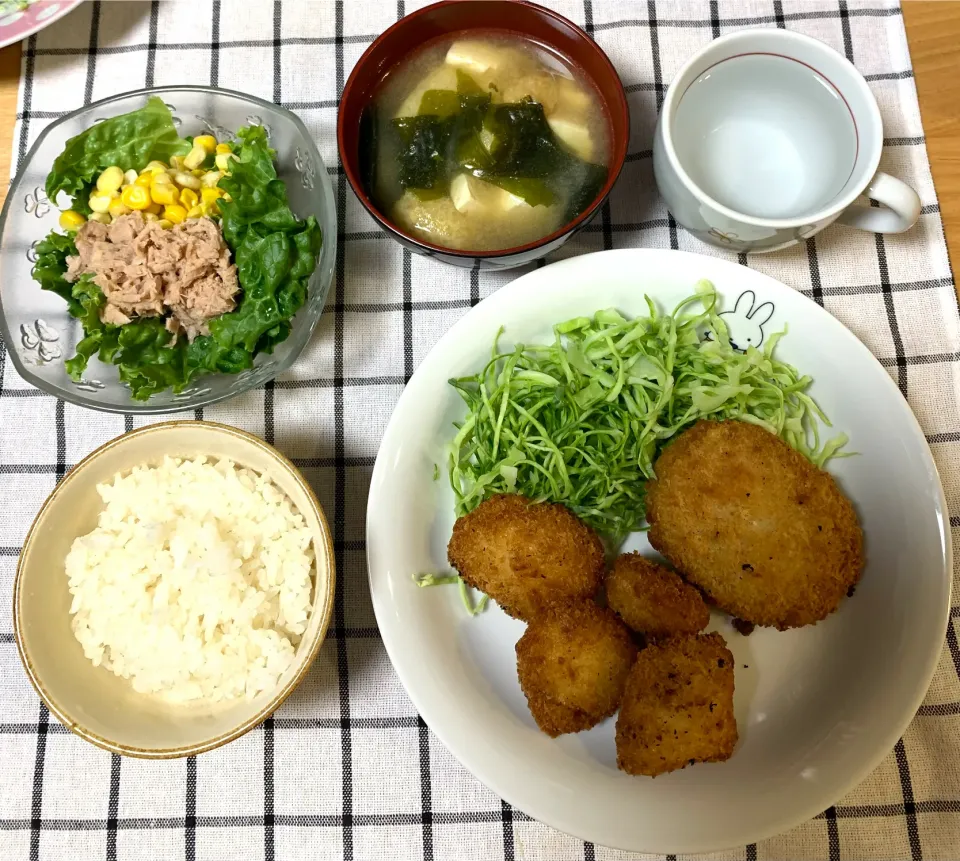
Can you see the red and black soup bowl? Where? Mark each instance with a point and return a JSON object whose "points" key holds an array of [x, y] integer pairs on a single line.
{"points": [[466, 18]]}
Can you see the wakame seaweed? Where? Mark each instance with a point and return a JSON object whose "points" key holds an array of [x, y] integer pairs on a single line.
{"points": [[526, 158], [528, 150]]}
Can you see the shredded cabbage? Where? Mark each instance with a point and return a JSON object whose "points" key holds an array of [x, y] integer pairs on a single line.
{"points": [[582, 420], [429, 579]]}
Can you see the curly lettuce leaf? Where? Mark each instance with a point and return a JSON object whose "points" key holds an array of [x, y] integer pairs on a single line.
{"points": [[129, 140], [147, 361], [48, 271], [274, 251], [86, 302]]}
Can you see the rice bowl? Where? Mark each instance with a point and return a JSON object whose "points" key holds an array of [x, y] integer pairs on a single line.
{"points": [[94, 702]]}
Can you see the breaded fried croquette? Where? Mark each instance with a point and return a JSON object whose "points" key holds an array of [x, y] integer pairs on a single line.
{"points": [[555, 719], [526, 555], [677, 708], [766, 535], [654, 600], [576, 656]]}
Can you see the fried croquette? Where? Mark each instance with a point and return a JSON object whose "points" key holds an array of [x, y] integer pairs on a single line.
{"points": [[526, 555], [573, 662], [765, 534], [677, 707], [653, 600], [555, 719]]}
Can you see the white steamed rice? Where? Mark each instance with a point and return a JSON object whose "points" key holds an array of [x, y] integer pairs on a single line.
{"points": [[196, 583]]}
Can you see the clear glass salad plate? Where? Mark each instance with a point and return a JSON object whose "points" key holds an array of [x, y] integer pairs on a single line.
{"points": [[37, 329]]}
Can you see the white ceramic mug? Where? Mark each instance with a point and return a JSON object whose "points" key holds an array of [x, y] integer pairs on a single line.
{"points": [[766, 137]]}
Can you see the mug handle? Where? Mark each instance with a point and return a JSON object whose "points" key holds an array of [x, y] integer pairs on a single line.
{"points": [[901, 207]]}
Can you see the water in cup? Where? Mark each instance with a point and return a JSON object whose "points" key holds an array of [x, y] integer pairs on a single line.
{"points": [[766, 136]]}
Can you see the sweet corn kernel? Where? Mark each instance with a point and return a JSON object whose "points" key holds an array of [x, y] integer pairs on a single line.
{"points": [[193, 159], [154, 209], [174, 213], [150, 216], [223, 160], [135, 196], [195, 212], [100, 217], [161, 177], [189, 198], [144, 180], [70, 220], [208, 143], [164, 223], [210, 195], [210, 179], [227, 197], [223, 148], [199, 172], [165, 193], [176, 162], [118, 207], [210, 208], [186, 180], [110, 180], [155, 165], [130, 177], [99, 201]]}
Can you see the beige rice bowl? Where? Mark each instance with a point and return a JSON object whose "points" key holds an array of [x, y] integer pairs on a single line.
{"points": [[196, 584]]}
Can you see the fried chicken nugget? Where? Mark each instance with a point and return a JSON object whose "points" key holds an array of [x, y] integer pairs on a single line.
{"points": [[677, 708], [526, 555], [766, 535], [573, 662], [654, 600], [555, 719]]}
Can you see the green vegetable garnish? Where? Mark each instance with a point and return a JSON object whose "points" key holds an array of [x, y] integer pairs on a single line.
{"points": [[274, 251], [582, 420], [48, 271], [131, 140], [427, 579]]}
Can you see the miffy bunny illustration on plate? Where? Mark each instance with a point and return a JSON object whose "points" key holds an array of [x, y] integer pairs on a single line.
{"points": [[746, 321]]}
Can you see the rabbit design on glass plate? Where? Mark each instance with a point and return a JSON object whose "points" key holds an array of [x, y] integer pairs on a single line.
{"points": [[746, 321]]}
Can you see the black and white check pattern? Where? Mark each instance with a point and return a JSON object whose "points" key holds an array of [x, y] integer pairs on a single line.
{"points": [[347, 769]]}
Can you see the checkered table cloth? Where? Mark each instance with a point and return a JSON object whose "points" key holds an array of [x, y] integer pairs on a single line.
{"points": [[346, 768]]}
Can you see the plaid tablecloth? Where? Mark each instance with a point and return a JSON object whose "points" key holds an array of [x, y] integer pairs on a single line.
{"points": [[347, 769]]}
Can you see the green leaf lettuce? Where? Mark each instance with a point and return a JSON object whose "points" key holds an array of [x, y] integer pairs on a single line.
{"points": [[129, 141]]}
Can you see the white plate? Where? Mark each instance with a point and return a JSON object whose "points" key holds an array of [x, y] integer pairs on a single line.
{"points": [[817, 707]]}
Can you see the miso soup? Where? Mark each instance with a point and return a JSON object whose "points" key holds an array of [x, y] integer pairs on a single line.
{"points": [[484, 142]]}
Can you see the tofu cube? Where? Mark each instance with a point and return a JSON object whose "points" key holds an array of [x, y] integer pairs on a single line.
{"points": [[575, 135], [473, 57], [461, 194], [470, 194], [572, 96]]}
